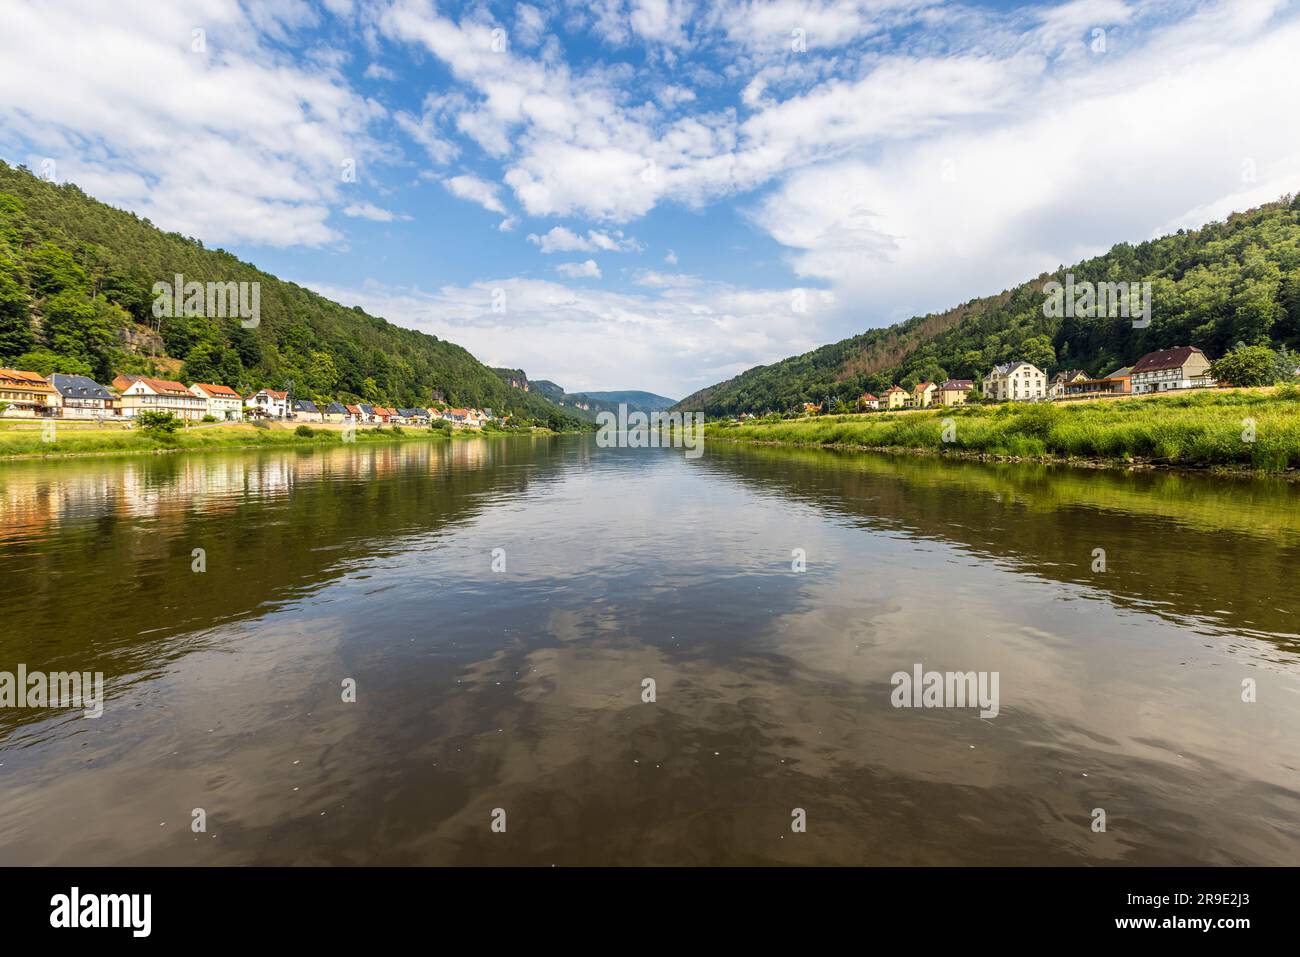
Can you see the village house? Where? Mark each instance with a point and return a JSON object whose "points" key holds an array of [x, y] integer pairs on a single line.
{"points": [[895, 397], [1119, 382], [223, 402], [305, 410], [145, 394], [923, 394], [1182, 367], [82, 398], [954, 392], [368, 416], [1058, 387], [868, 402], [355, 415], [26, 394], [269, 404], [415, 416], [335, 412], [1015, 382]]}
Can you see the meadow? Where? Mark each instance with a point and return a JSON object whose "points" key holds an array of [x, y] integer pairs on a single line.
{"points": [[1249, 429]]}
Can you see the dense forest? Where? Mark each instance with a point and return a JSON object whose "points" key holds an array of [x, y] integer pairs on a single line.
{"points": [[76, 281], [1227, 283]]}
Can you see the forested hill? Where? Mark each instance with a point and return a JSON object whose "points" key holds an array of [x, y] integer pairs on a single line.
{"points": [[1229, 282], [76, 279]]}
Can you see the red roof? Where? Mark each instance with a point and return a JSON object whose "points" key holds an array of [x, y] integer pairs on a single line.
{"points": [[354, 409], [868, 397], [222, 390], [1174, 358], [165, 386]]}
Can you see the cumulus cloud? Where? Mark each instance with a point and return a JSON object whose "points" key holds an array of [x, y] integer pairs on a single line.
{"points": [[372, 212], [685, 333], [583, 270], [476, 191], [563, 240], [209, 130]]}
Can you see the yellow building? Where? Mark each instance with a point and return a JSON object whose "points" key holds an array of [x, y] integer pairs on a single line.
{"points": [[954, 392], [894, 397], [923, 394], [26, 394]]}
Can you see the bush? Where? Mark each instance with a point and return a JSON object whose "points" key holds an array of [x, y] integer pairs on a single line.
{"points": [[161, 423], [209, 418], [304, 431], [397, 429]]}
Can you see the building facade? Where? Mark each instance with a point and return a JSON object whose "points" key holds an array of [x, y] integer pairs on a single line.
{"points": [[1182, 367], [223, 402], [1015, 382], [161, 395]]}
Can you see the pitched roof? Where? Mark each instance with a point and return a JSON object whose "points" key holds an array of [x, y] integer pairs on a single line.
{"points": [[1069, 375], [957, 385], [354, 409], [1120, 373], [868, 397], [33, 379], [79, 387], [894, 388], [165, 386], [222, 391], [927, 384], [304, 405], [1174, 358], [336, 408]]}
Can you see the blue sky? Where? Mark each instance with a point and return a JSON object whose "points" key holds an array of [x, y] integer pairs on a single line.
{"points": [[657, 194]]}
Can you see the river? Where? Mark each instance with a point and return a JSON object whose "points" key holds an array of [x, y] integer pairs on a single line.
{"points": [[443, 654]]}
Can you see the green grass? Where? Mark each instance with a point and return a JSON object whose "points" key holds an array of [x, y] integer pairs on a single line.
{"points": [[71, 439], [1197, 429]]}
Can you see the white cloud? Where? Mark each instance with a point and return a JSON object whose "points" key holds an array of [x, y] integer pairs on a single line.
{"points": [[372, 212], [686, 334], [583, 270], [563, 240], [217, 135], [476, 191]]}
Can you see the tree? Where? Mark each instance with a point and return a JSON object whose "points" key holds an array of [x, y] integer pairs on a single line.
{"points": [[15, 324], [1246, 366], [161, 423]]}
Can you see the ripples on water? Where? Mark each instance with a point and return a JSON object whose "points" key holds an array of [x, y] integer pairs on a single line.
{"points": [[522, 689]]}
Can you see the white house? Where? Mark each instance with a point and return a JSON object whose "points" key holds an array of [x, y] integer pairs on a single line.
{"points": [[223, 402], [1015, 382], [141, 393], [1182, 367], [269, 403]]}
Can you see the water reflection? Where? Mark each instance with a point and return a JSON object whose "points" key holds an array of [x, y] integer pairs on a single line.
{"points": [[521, 690]]}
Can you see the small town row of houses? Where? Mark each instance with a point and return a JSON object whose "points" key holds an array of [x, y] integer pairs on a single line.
{"points": [[1182, 367], [31, 395]]}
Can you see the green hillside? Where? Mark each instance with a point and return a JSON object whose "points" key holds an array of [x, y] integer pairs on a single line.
{"points": [[1230, 282], [76, 279]]}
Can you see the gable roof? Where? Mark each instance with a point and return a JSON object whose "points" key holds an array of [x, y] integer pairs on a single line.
{"points": [[217, 391], [867, 397], [79, 387], [304, 405], [957, 385], [354, 409], [1068, 375], [1120, 373], [29, 379], [894, 388], [1006, 368], [924, 386], [164, 386], [336, 408], [1161, 359]]}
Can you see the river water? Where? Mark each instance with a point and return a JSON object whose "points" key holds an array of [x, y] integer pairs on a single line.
{"points": [[504, 608]]}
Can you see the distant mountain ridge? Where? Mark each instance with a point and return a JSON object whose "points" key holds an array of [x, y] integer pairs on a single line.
{"points": [[1227, 282], [585, 405]]}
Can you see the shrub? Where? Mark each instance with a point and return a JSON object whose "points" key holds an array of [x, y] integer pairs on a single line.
{"points": [[160, 423], [305, 431]]}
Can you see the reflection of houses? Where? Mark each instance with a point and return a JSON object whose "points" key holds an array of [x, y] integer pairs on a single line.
{"points": [[82, 398], [159, 395], [1118, 382], [1182, 367], [1059, 385], [1015, 382], [954, 392], [268, 404], [26, 393], [223, 402]]}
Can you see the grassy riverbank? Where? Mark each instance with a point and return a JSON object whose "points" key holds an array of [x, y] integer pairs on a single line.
{"points": [[1255, 429], [26, 440]]}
